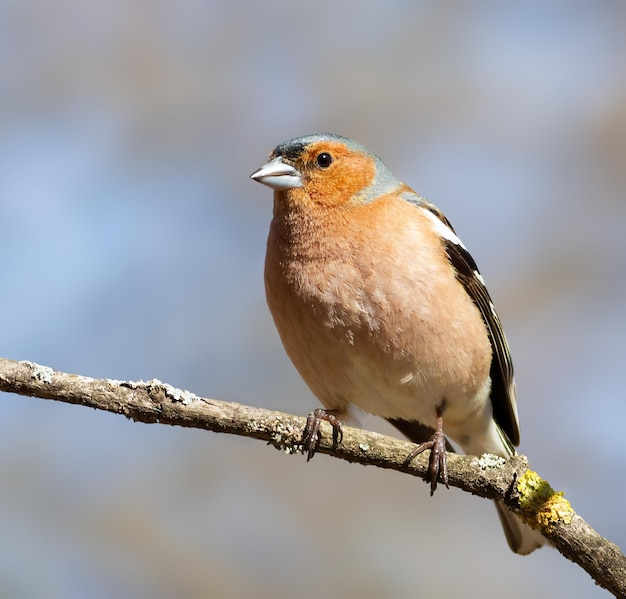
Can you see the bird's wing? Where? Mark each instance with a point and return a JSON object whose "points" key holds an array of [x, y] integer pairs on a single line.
{"points": [[502, 380]]}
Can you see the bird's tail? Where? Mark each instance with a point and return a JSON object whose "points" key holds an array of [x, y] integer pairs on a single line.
{"points": [[521, 538]]}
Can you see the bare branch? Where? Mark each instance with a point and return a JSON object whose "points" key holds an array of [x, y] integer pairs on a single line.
{"points": [[522, 490]]}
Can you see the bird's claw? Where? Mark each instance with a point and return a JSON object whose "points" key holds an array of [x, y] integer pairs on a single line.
{"points": [[437, 462], [312, 434]]}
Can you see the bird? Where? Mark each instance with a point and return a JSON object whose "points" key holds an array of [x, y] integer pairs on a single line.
{"points": [[382, 309]]}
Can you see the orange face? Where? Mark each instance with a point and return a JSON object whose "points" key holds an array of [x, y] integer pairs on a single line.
{"points": [[331, 174]]}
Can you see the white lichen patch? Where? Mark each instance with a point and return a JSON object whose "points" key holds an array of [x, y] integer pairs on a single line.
{"points": [[282, 437], [39, 372], [183, 396], [488, 460]]}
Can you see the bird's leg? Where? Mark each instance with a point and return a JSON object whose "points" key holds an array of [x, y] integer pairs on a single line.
{"points": [[437, 463], [312, 434]]}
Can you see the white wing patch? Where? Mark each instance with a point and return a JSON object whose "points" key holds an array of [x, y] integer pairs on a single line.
{"points": [[480, 278], [443, 230]]}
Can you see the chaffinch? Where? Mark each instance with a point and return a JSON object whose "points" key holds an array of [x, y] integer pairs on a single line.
{"points": [[381, 308]]}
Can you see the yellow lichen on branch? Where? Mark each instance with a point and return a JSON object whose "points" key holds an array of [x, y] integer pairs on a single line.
{"points": [[542, 506]]}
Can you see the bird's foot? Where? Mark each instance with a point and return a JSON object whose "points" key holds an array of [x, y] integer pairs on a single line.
{"points": [[438, 462], [312, 434]]}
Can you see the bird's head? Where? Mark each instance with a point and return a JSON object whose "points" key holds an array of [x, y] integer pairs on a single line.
{"points": [[325, 170]]}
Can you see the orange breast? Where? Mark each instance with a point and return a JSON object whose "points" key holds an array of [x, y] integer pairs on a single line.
{"points": [[369, 313]]}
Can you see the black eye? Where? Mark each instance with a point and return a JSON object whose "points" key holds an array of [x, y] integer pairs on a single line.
{"points": [[324, 160]]}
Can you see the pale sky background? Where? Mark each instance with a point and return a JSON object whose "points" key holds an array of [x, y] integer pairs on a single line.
{"points": [[133, 244]]}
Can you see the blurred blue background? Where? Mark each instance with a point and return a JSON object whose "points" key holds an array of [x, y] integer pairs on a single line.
{"points": [[133, 244]]}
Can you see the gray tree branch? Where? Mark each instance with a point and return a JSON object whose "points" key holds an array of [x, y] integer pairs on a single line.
{"points": [[522, 490]]}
